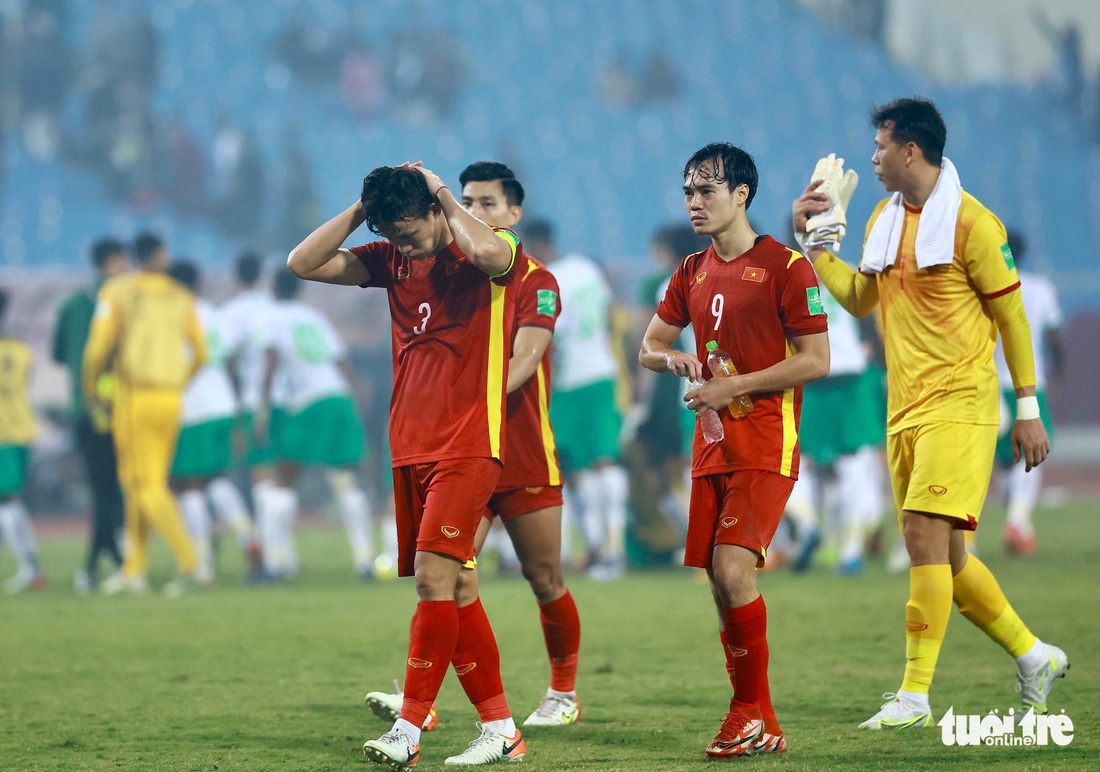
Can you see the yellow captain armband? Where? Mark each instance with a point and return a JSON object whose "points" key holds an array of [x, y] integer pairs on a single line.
{"points": [[512, 240]]}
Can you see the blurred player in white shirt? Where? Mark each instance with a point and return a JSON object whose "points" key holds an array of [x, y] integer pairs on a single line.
{"points": [[1045, 316], [314, 422]]}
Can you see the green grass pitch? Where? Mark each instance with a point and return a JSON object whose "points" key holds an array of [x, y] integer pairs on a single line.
{"points": [[273, 678]]}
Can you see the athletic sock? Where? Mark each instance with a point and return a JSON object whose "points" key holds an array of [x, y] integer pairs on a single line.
{"points": [[981, 600], [617, 492], [476, 661], [914, 698], [592, 508], [407, 727], [196, 516], [504, 726], [355, 512], [229, 507], [767, 711], [561, 629], [1033, 658], [1023, 494], [926, 616], [267, 524], [746, 630], [15, 528], [432, 642]]}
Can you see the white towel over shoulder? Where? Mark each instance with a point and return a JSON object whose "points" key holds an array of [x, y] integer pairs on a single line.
{"points": [[935, 233]]}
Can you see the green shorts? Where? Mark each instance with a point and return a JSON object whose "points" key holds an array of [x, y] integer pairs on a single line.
{"points": [[586, 425], [840, 415], [328, 432], [1004, 443], [204, 449], [259, 452], [13, 468]]}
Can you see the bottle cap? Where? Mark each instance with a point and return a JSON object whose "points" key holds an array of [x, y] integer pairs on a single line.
{"points": [[711, 345]]}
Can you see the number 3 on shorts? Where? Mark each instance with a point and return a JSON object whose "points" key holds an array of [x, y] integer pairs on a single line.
{"points": [[427, 311]]}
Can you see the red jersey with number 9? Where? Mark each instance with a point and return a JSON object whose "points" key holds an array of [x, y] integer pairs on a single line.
{"points": [[451, 326], [752, 306]]}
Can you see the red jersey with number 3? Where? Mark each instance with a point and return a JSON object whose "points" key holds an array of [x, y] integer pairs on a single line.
{"points": [[531, 458], [752, 306], [451, 325]]}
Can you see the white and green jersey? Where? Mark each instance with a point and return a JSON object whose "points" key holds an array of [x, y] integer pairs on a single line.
{"points": [[309, 352], [1043, 314], [250, 313], [847, 354], [210, 395], [582, 335]]}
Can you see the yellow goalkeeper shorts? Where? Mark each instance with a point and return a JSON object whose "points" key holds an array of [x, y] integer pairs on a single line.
{"points": [[942, 469]]}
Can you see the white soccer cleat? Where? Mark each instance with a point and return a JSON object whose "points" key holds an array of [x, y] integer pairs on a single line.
{"points": [[387, 706], [395, 749], [898, 713], [24, 579], [1035, 686], [118, 583], [490, 748], [555, 710]]}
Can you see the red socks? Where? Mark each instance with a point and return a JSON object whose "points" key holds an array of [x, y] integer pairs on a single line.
{"points": [[476, 661], [432, 643], [561, 627], [745, 642]]}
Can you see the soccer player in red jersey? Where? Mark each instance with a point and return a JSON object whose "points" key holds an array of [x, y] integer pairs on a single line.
{"points": [[528, 497], [759, 300], [449, 280]]}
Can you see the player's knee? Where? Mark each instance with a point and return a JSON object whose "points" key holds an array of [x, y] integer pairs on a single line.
{"points": [[734, 584], [546, 580], [466, 588], [435, 580]]}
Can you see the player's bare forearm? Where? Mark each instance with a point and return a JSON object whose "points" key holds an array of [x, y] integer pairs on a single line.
{"points": [[809, 363], [856, 293], [658, 355], [478, 241], [320, 258], [527, 352]]}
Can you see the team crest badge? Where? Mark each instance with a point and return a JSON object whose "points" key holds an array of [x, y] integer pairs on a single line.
{"points": [[701, 278], [402, 272], [449, 531], [728, 522], [937, 490]]}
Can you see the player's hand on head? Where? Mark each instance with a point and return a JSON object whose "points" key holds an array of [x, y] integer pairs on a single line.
{"points": [[433, 179], [1030, 442], [685, 364]]}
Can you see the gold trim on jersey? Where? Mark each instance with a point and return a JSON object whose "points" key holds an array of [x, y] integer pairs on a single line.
{"points": [[494, 391], [790, 432], [548, 444]]}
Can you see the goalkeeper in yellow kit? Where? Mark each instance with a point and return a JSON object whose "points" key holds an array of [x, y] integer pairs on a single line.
{"points": [[937, 263], [145, 323]]}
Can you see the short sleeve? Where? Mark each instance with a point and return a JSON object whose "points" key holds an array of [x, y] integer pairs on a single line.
{"points": [[674, 308], [377, 257], [988, 259], [538, 303], [801, 309]]}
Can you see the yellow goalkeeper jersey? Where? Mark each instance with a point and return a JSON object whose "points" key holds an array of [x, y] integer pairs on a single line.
{"points": [[938, 330], [16, 418], [149, 323]]}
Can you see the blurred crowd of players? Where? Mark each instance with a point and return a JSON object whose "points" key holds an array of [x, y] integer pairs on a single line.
{"points": [[276, 392]]}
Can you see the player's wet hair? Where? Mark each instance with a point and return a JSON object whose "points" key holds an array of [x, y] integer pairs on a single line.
{"points": [[106, 248], [680, 240], [391, 194], [914, 120], [249, 268], [487, 171], [145, 246], [287, 285], [539, 230], [1018, 245], [727, 163], [185, 272]]}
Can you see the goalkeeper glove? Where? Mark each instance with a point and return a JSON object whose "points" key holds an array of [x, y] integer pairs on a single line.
{"points": [[827, 229]]}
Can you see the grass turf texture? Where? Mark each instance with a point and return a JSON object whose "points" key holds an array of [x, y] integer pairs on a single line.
{"points": [[273, 678]]}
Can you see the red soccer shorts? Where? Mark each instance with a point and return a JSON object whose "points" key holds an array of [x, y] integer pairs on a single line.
{"points": [[741, 508], [439, 506], [510, 503]]}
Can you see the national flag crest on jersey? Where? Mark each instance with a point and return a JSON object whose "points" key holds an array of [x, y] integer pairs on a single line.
{"points": [[754, 274]]}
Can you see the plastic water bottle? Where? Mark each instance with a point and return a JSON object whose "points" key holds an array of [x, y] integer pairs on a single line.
{"points": [[710, 420], [721, 366]]}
